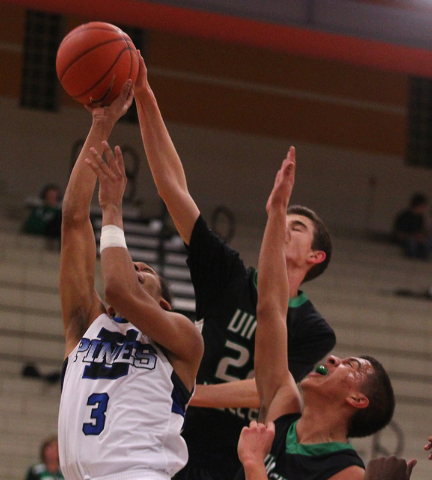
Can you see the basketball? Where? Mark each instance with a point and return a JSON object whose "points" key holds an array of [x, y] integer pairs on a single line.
{"points": [[94, 61]]}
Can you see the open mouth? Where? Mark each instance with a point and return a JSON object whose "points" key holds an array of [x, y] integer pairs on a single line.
{"points": [[321, 369]]}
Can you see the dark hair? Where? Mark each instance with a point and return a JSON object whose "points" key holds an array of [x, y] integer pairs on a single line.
{"points": [[165, 289], [418, 199], [379, 412], [46, 443], [47, 188], [321, 240]]}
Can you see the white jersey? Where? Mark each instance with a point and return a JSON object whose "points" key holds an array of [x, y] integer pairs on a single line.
{"points": [[122, 407]]}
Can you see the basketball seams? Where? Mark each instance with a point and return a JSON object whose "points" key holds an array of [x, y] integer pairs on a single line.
{"points": [[102, 78], [126, 38], [91, 27], [91, 54], [86, 52]]}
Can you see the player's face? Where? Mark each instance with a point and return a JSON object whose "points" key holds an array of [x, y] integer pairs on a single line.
{"points": [[148, 279], [298, 239], [343, 375]]}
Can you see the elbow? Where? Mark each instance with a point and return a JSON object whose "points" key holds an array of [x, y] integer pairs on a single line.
{"points": [[166, 188], [197, 349], [73, 216], [264, 309]]}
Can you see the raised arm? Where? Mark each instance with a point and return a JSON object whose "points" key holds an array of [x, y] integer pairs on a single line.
{"points": [[80, 302], [133, 294], [276, 387], [165, 164]]}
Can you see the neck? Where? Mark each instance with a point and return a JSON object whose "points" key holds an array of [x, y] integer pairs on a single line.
{"points": [[321, 426], [295, 278], [52, 466]]}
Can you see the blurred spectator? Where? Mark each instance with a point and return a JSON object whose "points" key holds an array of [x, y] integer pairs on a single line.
{"points": [[410, 228], [49, 468], [46, 216]]}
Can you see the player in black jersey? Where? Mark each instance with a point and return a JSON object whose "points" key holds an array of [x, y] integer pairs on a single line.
{"points": [[226, 299], [343, 398]]}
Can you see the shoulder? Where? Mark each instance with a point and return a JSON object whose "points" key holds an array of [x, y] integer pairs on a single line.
{"points": [[351, 473], [303, 313], [204, 241], [283, 423], [186, 323]]}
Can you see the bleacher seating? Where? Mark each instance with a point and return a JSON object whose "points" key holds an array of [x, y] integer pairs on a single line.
{"points": [[356, 295], [149, 242]]}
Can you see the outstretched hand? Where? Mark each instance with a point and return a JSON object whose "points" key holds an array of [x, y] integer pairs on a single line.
{"points": [[389, 468], [255, 442], [141, 81], [111, 175], [428, 446], [117, 108], [284, 183]]}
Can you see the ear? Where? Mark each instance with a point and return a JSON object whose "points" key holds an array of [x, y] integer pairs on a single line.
{"points": [[316, 256], [165, 305], [357, 400], [111, 312]]}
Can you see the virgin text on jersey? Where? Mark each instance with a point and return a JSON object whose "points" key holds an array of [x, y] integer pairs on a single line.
{"points": [[243, 323]]}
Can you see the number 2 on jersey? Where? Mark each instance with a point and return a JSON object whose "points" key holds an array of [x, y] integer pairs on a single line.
{"points": [[227, 362], [100, 400]]}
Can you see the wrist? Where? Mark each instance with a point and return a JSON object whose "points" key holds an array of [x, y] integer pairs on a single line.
{"points": [[112, 215], [112, 236], [251, 464]]}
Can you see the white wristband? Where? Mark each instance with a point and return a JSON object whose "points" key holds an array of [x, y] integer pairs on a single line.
{"points": [[111, 236]]}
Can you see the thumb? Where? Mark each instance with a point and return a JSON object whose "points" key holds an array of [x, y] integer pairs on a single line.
{"points": [[410, 465]]}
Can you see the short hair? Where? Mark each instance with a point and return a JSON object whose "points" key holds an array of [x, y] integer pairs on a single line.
{"points": [[165, 289], [47, 188], [321, 240], [418, 199], [45, 444], [379, 412]]}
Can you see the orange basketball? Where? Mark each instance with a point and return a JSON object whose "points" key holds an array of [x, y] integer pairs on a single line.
{"points": [[94, 61]]}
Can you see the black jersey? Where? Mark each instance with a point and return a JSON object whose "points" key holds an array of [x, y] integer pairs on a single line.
{"points": [[226, 299], [289, 460]]}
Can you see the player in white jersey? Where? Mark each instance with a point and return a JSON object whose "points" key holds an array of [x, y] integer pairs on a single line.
{"points": [[130, 369]]}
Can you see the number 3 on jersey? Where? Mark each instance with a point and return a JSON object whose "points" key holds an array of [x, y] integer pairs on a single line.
{"points": [[100, 400]]}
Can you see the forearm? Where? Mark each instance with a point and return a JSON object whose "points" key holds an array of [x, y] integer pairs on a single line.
{"points": [[240, 394], [118, 272], [255, 469], [273, 285], [271, 370], [271, 358], [82, 182], [164, 162]]}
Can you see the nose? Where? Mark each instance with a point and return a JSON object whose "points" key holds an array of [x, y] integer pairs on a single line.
{"points": [[335, 361]]}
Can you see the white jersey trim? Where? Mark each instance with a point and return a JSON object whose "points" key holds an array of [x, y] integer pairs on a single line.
{"points": [[134, 475]]}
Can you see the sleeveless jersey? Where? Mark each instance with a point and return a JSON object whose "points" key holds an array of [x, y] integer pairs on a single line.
{"points": [[122, 407], [226, 299], [289, 460]]}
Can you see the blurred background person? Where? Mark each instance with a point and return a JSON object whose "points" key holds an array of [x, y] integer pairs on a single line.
{"points": [[46, 216], [49, 467], [410, 228]]}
